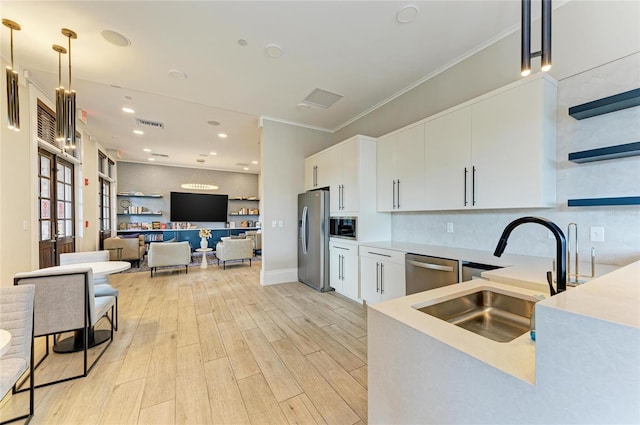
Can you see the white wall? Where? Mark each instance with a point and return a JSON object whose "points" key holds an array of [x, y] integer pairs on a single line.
{"points": [[283, 149], [592, 41], [16, 232]]}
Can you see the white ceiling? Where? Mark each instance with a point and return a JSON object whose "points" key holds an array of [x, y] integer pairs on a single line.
{"points": [[357, 49]]}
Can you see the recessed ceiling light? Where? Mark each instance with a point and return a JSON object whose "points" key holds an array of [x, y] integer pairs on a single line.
{"points": [[302, 106], [116, 38], [146, 150], [128, 110], [138, 132], [213, 122], [254, 162], [273, 51], [222, 135], [152, 159], [407, 13], [177, 74], [246, 168], [242, 42], [213, 153]]}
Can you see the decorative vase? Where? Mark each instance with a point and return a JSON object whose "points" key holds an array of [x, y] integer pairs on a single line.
{"points": [[204, 243]]}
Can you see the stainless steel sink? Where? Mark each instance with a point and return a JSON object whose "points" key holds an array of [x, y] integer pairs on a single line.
{"points": [[496, 316]]}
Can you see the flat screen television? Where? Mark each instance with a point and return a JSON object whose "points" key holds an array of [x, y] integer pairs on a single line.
{"points": [[198, 207]]}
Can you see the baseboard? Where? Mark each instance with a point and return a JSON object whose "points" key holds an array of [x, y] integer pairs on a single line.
{"points": [[274, 277]]}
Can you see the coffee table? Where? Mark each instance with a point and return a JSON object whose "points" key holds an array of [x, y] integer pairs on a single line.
{"points": [[203, 264]]}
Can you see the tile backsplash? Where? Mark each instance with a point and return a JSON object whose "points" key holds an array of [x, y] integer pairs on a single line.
{"points": [[611, 178]]}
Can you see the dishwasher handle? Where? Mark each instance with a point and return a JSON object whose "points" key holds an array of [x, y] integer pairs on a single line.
{"points": [[431, 266]]}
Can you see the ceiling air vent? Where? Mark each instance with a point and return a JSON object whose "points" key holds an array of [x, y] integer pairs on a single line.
{"points": [[149, 123], [162, 155], [322, 98]]}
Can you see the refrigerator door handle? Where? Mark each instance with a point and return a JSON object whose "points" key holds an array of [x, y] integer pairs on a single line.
{"points": [[305, 218]]}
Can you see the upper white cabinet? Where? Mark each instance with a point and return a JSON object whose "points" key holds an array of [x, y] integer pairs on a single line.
{"points": [[344, 186], [320, 169], [513, 147], [401, 168], [448, 161], [496, 151]]}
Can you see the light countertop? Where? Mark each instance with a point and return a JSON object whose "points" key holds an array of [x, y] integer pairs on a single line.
{"points": [[516, 357]]}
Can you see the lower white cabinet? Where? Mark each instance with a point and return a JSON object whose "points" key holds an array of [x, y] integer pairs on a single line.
{"points": [[382, 274], [343, 269]]}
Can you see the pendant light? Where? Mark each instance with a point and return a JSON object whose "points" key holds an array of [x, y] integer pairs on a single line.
{"points": [[60, 103], [545, 52], [69, 114], [13, 100]]}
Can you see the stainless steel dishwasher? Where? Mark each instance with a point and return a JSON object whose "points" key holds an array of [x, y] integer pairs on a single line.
{"points": [[424, 272]]}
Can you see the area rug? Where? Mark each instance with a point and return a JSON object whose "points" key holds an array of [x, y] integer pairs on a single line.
{"points": [[196, 260]]}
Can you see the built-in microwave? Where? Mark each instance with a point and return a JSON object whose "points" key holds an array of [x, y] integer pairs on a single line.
{"points": [[343, 227]]}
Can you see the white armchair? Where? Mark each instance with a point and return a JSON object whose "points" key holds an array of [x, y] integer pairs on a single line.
{"points": [[234, 249], [166, 254]]}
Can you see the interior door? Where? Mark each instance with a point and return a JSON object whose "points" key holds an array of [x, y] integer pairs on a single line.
{"points": [[56, 208]]}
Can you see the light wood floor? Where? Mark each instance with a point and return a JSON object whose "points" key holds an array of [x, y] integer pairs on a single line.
{"points": [[214, 347]]}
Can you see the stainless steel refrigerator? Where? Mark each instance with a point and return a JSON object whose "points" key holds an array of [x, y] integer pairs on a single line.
{"points": [[313, 239]]}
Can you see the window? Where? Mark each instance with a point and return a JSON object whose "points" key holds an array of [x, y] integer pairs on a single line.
{"points": [[46, 118], [104, 203]]}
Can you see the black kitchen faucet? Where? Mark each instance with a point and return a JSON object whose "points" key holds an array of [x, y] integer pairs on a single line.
{"points": [[561, 249]]}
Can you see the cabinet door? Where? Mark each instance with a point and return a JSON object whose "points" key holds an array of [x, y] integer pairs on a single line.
{"points": [[410, 195], [335, 268], [350, 189], [350, 284], [393, 281], [506, 148], [369, 286], [309, 172], [448, 161], [386, 159]]}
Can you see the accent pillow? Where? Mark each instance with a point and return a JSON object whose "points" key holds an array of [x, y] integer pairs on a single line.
{"points": [[170, 240], [238, 237]]}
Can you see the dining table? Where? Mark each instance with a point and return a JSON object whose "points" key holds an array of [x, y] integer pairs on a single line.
{"points": [[75, 342]]}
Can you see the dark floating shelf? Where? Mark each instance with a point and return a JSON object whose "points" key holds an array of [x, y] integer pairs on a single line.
{"points": [[595, 202], [609, 152], [619, 101]]}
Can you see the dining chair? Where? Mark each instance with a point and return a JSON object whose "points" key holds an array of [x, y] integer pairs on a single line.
{"points": [[64, 301], [102, 286], [16, 317]]}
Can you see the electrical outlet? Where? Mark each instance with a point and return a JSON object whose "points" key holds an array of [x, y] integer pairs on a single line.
{"points": [[274, 223], [280, 223], [597, 234], [449, 227]]}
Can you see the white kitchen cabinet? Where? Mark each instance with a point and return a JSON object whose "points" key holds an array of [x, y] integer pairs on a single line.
{"points": [[344, 182], [343, 269], [513, 147], [448, 161], [320, 169], [496, 152], [400, 175], [382, 274]]}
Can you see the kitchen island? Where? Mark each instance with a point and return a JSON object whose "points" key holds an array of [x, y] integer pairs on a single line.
{"points": [[583, 368]]}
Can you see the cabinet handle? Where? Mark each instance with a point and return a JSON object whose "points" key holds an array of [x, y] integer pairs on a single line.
{"points": [[376, 253], [377, 276], [315, 175], [339, 267], [381, 278], [473, 187], [465, 186], [341, 196], [393, 195], [398, 204], [431, 266]]}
